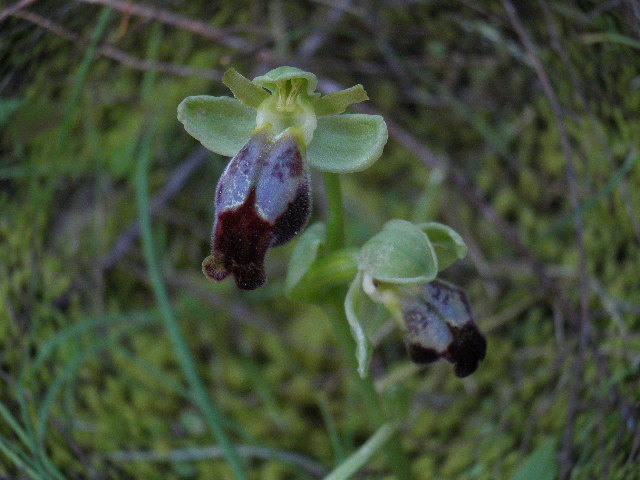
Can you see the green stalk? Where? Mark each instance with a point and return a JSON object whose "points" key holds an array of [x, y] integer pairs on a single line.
{"points": [[335, 212], [178, 341], [365, 387]]}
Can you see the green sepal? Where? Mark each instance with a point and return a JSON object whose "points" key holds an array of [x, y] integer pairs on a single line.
{"points": [[221, 124], [250, 94], [400, 253], [304, 254], [448, 245], [347, 143], [337, 102], [365, 318], [271, 79]]}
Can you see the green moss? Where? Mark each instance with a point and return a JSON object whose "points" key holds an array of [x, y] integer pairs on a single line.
{"points": [[462, 87]]}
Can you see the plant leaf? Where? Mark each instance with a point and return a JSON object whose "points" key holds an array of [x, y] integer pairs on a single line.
{"points": [[448, 245], [250, 94], [337, 102], [347, 143], [304, 254], [400, 253], [221, 124]]}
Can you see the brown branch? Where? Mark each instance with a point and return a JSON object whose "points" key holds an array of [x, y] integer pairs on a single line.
{"points": [[583, 320], [177, 180], [318, 38], [181, 22], [116, 54], [9, 11]]}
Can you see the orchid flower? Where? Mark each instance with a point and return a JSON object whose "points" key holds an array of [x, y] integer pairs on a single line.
{"points": [[395, 277], [397, 269], [275, 128]]}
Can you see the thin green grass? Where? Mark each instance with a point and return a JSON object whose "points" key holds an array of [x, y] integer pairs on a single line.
{"points": [[15, 426], [71, 371], [174, 386], [302, 465], [359, 458], [179, 343], [20, 459], [82, 75], [619, 175], [264, 390], [337, 443], [74, 331], [36, 460]]}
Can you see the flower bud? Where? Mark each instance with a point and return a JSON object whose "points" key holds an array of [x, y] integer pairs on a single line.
{"points": [[262, 200]]}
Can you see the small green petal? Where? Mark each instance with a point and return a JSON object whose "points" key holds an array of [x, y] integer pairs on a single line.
{"points": [[347, 143], [304, 254], [337, 102], [271, 79], [250, 94], [221, 124], [400, 253], [448, 245]]}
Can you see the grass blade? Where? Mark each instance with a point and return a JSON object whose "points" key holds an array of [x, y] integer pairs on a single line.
{"points": [[83, 74], [358, 459]]}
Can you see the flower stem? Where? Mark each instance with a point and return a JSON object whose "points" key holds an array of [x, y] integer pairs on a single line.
{"points": [[335, 211], [365, 387]]}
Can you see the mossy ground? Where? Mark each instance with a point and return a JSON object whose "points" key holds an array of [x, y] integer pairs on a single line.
{"points": [[456, 77]]}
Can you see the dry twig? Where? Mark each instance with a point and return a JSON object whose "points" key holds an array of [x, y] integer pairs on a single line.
{"points": [[181, 22], [9, 11], [177, 180], [116, 54]]}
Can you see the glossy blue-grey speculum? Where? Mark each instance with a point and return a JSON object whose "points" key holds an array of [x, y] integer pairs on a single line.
{"points": [[262, 200]]}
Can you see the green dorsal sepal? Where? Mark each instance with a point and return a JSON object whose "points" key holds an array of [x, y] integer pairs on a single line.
{"points": [[250, 94]]}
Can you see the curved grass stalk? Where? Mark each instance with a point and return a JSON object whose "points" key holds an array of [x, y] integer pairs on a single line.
{"points": [[178, 342], [359, 458]]}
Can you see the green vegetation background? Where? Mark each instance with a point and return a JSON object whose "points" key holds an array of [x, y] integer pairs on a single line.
{"points": [[498, 137]]}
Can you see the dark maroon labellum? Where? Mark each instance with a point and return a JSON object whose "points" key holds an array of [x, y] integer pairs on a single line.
{"points": [[262, 200], [441, 325]]}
